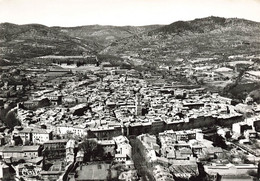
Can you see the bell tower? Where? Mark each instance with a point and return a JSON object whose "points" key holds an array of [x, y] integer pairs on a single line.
{"points": [[138, 105]]}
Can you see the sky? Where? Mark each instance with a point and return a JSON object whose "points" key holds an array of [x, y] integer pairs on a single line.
{"points": [[122, 12]]}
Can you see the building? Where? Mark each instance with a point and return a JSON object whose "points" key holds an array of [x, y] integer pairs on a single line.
{"points": [[108, 146], [20, 151], [240, 127], [130, 175], [213, 152], [33, 135], [55, 99], [161, 173], [70, 146], [229, 169], [19, 87], [27, 171], [55, 149], [250, 134], [185, 135], [184, 169], [105, 132], [123, 149], [183, 154], [30, 104], [80, 156], [69, 100], [138, 105], [55, 172], [76, 130], [5, 172]]}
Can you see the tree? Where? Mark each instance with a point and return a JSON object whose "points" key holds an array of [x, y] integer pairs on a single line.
{"points": [[88, 145], [44, 102], [90, 148], [219, 141], [252, 173], [108, 156], [11, 120]]}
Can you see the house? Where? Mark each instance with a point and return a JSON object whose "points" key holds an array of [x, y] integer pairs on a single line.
{"points": [[20, 151], [76, 130], [130, 175], [161, 173], [123, 147], [196, 146], [224, 132], [213, 152], [237, 178], [108, 146], [69, 100], [185, 135], [171, 155], [118, 72], [184, 169], [80, 156], [27, 171], [54, 172], [229, 169], [30, 104], [19, 87], [183, 154], [70, 146], [54, 149], [5, 173], [106, 132], [31, 151], [55, 99], [249, 134], [33, 135], [240, 127], [120, 157]]}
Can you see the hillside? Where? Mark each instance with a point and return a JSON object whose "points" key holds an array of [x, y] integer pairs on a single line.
{"points": [[105, 35], [19, 42], [183, 40], [211, 37], [182, 48]]}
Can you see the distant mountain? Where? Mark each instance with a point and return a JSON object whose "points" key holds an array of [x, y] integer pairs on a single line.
{"points": [[105, 35], [195, 26], [208, 24], [19, 42], [211, 37]]}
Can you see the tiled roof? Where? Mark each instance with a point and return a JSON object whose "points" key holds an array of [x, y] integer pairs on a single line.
{"points": [[19, 148]]}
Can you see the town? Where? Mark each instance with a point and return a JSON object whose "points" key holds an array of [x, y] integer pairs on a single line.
{"points": [[105, 122]]}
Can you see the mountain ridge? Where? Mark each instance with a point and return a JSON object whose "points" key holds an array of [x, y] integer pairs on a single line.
{"points": [[199, 25], [105, 34], [201, 37], [32, 40], [198, 36]]}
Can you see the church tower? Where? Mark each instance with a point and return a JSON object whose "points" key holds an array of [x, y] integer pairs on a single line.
{"points": [[138, 105]]}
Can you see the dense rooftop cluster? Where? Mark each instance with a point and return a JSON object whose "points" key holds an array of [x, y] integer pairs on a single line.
{"points": [[123, 124]]}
